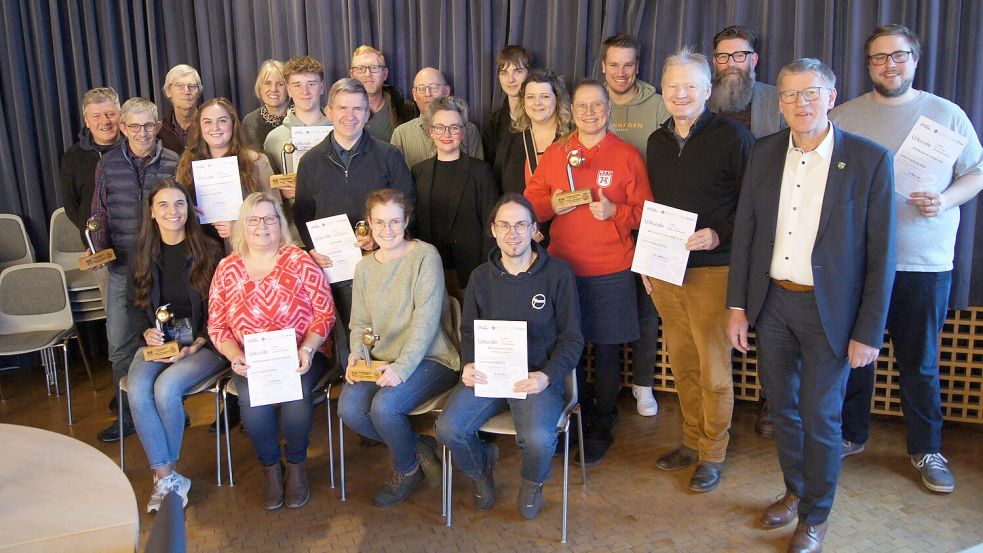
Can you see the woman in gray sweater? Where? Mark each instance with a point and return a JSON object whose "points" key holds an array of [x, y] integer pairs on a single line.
{"points": [[398, 295]]}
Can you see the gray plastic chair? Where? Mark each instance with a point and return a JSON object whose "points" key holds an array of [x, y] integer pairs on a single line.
{"points": [[15, 246]]}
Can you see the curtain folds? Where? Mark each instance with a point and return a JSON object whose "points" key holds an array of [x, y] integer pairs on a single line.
{"points": [[53, 51]]}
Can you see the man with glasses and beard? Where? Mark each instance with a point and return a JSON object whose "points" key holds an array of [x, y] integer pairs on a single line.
{"points": [[736, 90], [926, 233]]}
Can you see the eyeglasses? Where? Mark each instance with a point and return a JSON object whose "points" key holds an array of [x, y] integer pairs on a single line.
{"points": [[810, 94], [520, 228], [581, 109], [186, 87], [431, 88], [361, 69], [441, 129], [899, 56], [269, 220], [380, 225], [149, 127], [739, 57]]}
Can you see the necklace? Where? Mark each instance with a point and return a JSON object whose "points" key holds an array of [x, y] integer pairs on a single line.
{"points": [[271, 118]]}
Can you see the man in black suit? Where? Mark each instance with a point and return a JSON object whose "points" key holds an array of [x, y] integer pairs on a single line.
{"points": [[812, 268]]}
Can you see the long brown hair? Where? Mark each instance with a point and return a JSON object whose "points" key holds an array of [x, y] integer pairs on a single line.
{"points": [[147, 251], [197, 149]]}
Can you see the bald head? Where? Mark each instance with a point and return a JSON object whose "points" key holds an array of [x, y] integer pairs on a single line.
{"points": [[427, 85]]}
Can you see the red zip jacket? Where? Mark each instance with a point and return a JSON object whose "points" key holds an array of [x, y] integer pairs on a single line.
{"points": [[592, 247]]}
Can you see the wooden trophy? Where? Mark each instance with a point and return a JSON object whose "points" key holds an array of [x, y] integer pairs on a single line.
{"points": [[366, 369], [286, 180], [96, 258], [574, 197], [168, 349]]}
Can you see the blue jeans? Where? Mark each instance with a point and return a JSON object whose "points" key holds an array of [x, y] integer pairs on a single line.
{"points": [[914, 321], [123, 339], [381, 413], [535, 429], [805, 381], [156, 391], [294, 422]]}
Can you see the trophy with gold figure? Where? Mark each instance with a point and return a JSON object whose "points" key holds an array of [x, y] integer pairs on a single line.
{"points": [[574, 197], [366, 369], [286, 180], [95, 258], [170, 348]]}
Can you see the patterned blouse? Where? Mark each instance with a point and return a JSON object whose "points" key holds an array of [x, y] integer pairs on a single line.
{"points": [[294, 295]]}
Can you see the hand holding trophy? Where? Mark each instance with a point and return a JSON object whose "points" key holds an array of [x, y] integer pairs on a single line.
{"points": [[574, 197], [287, 180], [366, 369], [168, 349], [95, 259]]}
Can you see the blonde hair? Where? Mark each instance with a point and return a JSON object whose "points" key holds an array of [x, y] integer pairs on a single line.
{"points": [[246, 211], [562, 113], [366, 49], [268, 68]]}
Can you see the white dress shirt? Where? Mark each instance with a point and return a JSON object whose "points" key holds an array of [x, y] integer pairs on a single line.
{"points": [[799, 207]]}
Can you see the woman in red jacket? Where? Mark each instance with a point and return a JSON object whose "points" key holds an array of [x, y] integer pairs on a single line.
{"points": [[595, 239]]}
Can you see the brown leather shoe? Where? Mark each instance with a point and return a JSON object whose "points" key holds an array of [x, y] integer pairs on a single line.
{"points": [[273, 489], [808, 539], [781, 512], [296, 486], [764, 425]]}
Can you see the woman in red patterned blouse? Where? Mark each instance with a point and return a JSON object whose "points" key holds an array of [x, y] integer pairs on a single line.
{"points": [[267, 284]]}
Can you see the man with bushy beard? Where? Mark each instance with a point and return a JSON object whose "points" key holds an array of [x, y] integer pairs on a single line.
{"points": [[736, 91]]}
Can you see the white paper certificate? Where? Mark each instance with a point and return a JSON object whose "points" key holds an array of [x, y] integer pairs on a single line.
{"points": [[924, 161], [334, 237], [272, 361], [661, 248], [218, 188], [305, 138], [500, 355]]}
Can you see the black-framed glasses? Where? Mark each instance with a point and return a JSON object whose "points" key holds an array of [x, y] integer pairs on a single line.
{"points": [[441, 129], [361, 69], [899, 56], [739, 57], [149, 127], [268, 219], [380, 225], [810, 94], [431, 88], [520, 228], [581, 109]]}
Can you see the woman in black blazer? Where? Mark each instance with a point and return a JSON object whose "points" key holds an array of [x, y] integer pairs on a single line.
{"points": [[454, 194]]}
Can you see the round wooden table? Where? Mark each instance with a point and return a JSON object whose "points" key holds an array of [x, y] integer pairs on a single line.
{"points": [[58, 494]]}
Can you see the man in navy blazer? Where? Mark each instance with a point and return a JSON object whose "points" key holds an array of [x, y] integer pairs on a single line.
{"points": [[812, 267]]}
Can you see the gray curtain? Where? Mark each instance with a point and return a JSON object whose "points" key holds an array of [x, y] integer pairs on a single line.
{"points": [[54, 50]]}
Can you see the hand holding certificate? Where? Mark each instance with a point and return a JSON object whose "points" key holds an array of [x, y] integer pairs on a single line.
{"points": [[333, 237], [273, 362], [661, 248], [500, 354], [218, 188], [926, 157]]}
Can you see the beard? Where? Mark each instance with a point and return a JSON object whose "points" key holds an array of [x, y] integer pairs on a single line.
{"points": [[893, 92], [732, 94]]}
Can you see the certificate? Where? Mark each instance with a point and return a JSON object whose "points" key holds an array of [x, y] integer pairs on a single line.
{"points": [[334, 237], [272, 360], [500, 355], [661, 248], [305, 138], [924, 161], [218, 188]]}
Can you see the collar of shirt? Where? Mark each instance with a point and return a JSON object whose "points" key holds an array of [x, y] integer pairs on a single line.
{"points": [[344, 155], [825, 148]]}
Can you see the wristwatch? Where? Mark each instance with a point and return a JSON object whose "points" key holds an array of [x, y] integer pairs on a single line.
{"points": [[309, 350]]}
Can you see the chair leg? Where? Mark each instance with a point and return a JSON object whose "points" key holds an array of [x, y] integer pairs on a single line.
{"points": [[228, 446], [566, 479], [68, 386], [450, 485], [341, 457], [580, 436], [85, 359], [327, 403], [443, 480], [218, 443], [119, 420]]}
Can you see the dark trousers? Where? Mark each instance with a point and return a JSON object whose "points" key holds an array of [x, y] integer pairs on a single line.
{"points": [[645, 349], [805, 381], [914, 321], [342, 294]]}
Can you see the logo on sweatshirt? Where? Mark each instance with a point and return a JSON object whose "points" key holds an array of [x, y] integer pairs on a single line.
{"points": [[604, 178], [538, 301]]}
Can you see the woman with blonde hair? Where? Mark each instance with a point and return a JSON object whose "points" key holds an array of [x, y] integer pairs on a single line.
{"points": [[271, 90]]}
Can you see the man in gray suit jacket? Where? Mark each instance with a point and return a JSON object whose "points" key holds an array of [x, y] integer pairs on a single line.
{"points": [[737, 92], [812, 267]]}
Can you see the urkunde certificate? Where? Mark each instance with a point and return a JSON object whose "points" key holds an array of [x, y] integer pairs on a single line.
{"points": [[272, 360], [500, 355], [660, 251], [924, 161], [218, 188], [305, 138], [334, 237]]}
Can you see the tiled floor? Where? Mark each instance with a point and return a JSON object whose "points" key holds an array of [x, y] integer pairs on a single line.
{"points": [[629, 506]]}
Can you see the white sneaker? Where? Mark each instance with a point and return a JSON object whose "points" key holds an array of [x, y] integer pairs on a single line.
{"points": [[645, 401], [173, 482]]}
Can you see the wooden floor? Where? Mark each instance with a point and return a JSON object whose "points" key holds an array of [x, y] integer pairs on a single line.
{"points": [[629, 506]]}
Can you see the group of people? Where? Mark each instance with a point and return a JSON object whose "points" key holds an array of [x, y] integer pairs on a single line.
{"points": [[799, 233]]}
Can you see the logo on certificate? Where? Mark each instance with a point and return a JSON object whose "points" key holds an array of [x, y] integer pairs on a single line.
{"points": [[604, 178], [538, 301]]}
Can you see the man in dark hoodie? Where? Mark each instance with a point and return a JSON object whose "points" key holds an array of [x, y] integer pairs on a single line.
{"points": [[520, 282], [389, 109]]}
